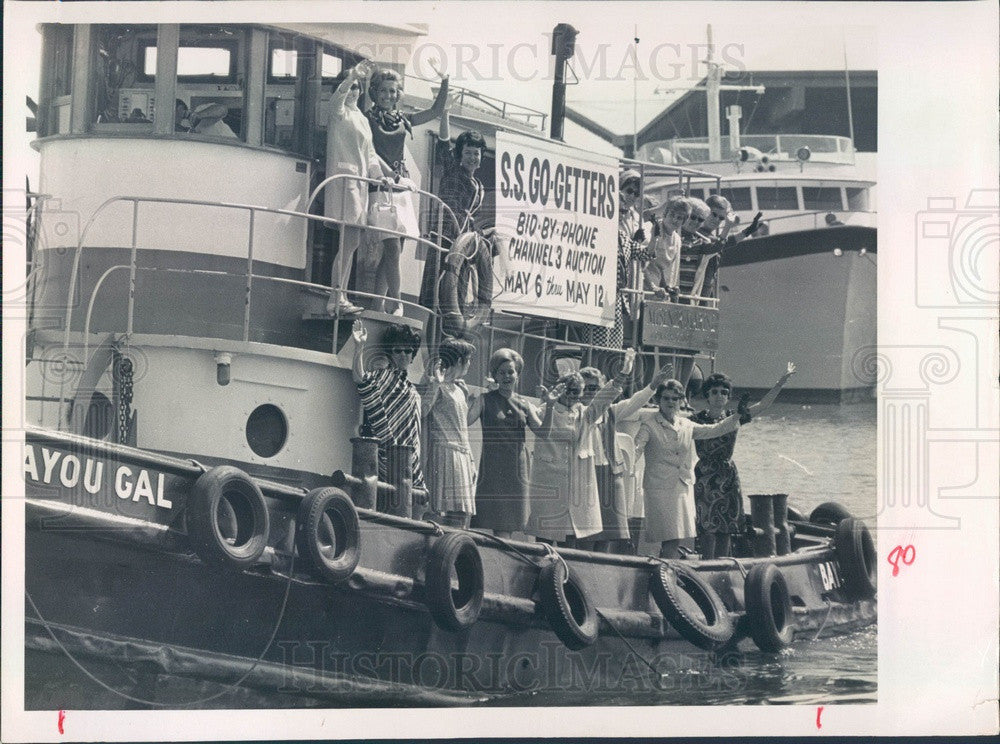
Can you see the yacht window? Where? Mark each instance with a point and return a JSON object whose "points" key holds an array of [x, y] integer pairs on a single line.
{"points": [[210, 62], [739, 198], [777, 197], [821, 197], [857, 199]]}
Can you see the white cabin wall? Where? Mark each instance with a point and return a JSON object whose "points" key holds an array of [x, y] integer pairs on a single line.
{"points": [[85, 172]]}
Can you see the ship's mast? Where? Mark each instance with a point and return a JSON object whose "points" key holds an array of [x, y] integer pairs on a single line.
{"points": [[712, 83], [713, 87]]}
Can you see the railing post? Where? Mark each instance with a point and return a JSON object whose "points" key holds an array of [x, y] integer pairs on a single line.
{"points": [[249, 284], [364, 466], [762, 514], [400, 466], [782, 535], [131, 267]]}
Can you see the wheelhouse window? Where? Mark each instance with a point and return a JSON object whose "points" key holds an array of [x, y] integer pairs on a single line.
{"points": [[199, 62], [122, 96], [821, 197], [57, 75], [283, 67]]}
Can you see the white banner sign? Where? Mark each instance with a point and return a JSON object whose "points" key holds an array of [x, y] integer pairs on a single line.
{"points": [[557, 210]]}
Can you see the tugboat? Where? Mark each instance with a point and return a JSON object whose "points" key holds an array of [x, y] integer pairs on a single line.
{"points": [[201, 523]]}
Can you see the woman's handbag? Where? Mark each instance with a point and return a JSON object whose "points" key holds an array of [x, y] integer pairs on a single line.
{"points": [[382, 212], [394, 209]]}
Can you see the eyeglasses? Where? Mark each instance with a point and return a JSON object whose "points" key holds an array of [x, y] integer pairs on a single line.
{"points": [[400, 350], [697, 219], [671, 397], [574, 391], [590, 389]]}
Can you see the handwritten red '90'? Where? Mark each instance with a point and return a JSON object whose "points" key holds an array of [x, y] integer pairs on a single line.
{"points": [[898, 554]]}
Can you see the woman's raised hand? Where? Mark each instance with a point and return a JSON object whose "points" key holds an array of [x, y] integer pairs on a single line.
{"points": [[362, 69], [629, 363], [491, 384], [789, 372], [437, 70], [665, 373], [551, 396], [359, 332]]}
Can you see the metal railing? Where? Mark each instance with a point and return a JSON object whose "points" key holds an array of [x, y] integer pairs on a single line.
{"points": [[250, 277], [490, 104], [778, 147]]}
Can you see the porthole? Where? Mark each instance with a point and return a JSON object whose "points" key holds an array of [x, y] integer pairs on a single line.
{"points": [[267, 430]]}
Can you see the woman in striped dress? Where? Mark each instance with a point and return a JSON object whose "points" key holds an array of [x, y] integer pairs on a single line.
{"points": [[390, 401]]}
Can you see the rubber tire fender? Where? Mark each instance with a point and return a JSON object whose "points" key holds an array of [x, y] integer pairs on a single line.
{"points": [[567, 607], [226, 488], [856, 558], [667, 583], [328, 534], [769, 619], [454, 609], [830, 513]]}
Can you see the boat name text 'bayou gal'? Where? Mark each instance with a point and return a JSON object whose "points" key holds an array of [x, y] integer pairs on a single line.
{"points": [[67, 470]]}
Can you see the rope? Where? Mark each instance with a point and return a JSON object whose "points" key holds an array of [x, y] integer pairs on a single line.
{"points": [[517, 551], [740, 566], [227, 688], [829, 609], [660, 676]]}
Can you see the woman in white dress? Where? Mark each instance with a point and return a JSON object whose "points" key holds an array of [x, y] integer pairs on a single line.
{"points": [[667, 440], [563, 492], [451, 471], [349, 150]]}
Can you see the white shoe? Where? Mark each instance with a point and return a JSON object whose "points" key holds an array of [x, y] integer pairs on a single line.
{"points": [[343, 308], [398, 312]]}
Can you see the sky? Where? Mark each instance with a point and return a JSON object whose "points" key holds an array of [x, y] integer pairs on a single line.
{"points": [[621, 85], [667, 61]]}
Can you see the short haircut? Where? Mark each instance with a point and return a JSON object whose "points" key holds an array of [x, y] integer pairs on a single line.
{"points": [[698, 207], [678, 204], [380, 77], [673, 385], [715, 380], [718, 200], [569, 377], [454, 350], [592, 373], [401, 335], [470, 138], [501, 356]]}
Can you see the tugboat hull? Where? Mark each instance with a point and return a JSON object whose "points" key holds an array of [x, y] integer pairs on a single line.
{"points": [[113, 584]]}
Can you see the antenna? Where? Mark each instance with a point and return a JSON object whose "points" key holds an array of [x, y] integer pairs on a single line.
{"points": [[847, 81], [635, 97]]}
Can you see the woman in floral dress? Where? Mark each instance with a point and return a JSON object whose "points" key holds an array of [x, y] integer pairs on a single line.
{"points": [[717, 494]]}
